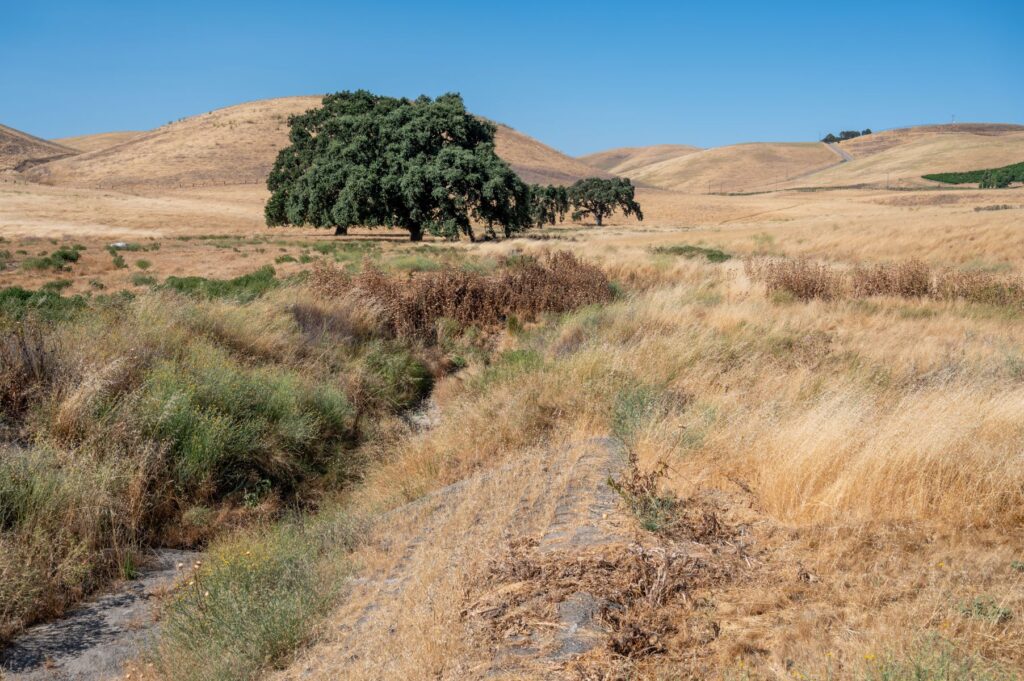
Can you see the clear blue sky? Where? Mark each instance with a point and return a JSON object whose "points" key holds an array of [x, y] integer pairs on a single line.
{"points": [[580, 75]]}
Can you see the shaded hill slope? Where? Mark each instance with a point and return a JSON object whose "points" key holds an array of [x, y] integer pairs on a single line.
{"points": [[19, 150]]}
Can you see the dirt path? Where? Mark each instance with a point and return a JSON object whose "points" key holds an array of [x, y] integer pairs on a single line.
{"points": [[95, 639], [557, 500], [843, 154]]}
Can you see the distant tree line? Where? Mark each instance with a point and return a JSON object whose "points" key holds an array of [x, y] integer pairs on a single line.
{"points": [[423, 165], [845, 135]]}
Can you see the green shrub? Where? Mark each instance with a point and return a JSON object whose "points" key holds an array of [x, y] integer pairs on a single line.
{"points": [[395, 379], [139, 279], [60, 259], [281, 259], [143, 264], [228, 427], [243, 289], [17, 303]]}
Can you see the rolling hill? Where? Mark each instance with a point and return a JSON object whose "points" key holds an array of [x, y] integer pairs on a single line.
{"points": [[103, 140], [19, 150], [237, 145], [624, 160], [537, 162], [230, 146], [901, 157], [736, 168]]}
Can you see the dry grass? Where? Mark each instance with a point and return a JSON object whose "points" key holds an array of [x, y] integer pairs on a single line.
{"points": [[805, 280], [865, 453]]}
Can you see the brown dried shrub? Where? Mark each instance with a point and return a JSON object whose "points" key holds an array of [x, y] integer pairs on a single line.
{"points": [[910, 279], [979, 287], [411, 305], [27, 366], [800, 278]]}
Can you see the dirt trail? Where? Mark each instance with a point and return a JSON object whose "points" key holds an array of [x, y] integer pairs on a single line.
{"points": [[565, 509], [94, 640], [842, 153]]}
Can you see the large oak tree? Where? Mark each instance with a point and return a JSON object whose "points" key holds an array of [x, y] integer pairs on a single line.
{"points": [[423, 165]]}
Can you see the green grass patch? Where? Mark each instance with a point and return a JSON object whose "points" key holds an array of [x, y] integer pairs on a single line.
{"points": [[245, 288], [690, 252]]}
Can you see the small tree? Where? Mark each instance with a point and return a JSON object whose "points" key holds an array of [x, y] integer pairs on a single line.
{"points": [[600, 198], [548, 205], [830, 139], [420, 165]]}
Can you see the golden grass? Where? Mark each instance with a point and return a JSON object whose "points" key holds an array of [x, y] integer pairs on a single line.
{"points": [[870, 448], [736, 168], [625, 160]]}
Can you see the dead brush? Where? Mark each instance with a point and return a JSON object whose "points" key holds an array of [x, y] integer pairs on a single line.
{"points": [[979, 287], [641, 594], [656, 511], [910, 279], [28, 364], [801, 278], [411, 306]]}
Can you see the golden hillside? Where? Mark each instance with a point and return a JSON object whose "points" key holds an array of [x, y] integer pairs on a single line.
{"points": [[537, 162], [234, 145], [102, 140], [237, 145], [737, 168], [884, 140], [19, 149], [901, 157], [625, 160]]}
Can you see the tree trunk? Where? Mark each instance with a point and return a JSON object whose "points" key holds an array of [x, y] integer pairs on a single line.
{"points": [[416, 233], [597, 216], [340, 231]]}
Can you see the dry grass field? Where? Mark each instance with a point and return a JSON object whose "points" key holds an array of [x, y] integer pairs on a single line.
{"points": [[625, 160], [737, 168], [811, 477], [103, 140]]}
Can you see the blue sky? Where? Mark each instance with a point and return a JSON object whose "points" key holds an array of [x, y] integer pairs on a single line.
{"points": [[582, 76]]}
